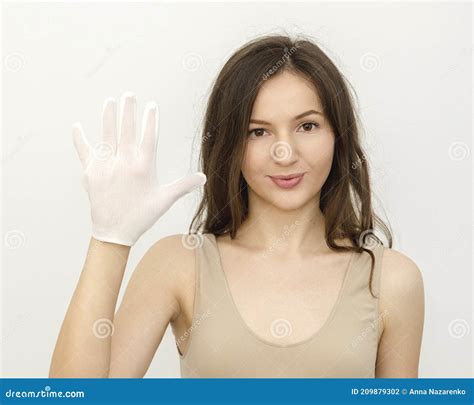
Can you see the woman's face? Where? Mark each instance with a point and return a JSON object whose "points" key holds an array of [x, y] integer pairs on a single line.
{"points": [[288, 135]]}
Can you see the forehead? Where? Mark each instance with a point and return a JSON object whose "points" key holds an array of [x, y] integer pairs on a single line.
{"points": [[285, 93]]}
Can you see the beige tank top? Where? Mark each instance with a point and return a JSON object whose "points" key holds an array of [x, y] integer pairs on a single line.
{"points": [[222, 345]]}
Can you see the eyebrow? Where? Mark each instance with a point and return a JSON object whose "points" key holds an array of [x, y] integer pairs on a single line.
{"points": [[255, 121]]}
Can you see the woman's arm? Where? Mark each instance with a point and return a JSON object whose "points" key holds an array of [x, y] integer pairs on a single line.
{"points": [[403, 303], [126, 200], [83, 345], [150, 303]]}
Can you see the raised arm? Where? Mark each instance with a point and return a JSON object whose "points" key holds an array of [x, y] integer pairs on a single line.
{"points": [[83, 345], [126, 200], [150, 303]]}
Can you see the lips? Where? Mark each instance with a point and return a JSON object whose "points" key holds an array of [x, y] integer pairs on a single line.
{"points": [[287, 181], [287, 176]]}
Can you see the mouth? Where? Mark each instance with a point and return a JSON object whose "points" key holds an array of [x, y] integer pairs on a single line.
{"points": [[287, 181]]}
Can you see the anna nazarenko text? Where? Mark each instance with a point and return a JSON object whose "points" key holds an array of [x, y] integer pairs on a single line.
{"points": [[433, 391]]}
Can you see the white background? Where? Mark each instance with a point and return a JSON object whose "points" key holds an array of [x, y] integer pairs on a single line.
{"points": [[410, 64]]}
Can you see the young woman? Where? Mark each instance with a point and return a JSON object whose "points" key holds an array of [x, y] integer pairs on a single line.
{"points": [[281, 274]]}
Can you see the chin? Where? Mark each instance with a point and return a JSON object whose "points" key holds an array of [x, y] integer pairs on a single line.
{"points": [[289, 202]]}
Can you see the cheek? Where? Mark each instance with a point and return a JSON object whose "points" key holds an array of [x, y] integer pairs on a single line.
{"points": [[319, 157], [255, 161], [322, 155]]}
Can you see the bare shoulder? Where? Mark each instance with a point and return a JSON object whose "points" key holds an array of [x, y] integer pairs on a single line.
{"points": [[399, 274], [402, 308], [401, 287], [175, 250], [175, 254]]}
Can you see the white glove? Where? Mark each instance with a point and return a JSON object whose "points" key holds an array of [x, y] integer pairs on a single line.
{"points": [[121, 180]]}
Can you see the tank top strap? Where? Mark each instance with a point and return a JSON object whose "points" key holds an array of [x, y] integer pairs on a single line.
{"points": [[360, 273], [378, 251], [209, 258], [211, 282]]}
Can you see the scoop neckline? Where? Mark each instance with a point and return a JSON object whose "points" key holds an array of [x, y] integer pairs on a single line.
{"points": [[314, 335]]}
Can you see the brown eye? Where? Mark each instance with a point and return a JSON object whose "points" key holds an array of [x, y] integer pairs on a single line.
{"points": [[257, 131], [308, 126]]}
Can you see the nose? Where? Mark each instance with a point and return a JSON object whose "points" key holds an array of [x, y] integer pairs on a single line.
{"points": [[284, 152]]}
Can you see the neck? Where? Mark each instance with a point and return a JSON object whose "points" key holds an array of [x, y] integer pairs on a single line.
{"points": [[268, 228]]}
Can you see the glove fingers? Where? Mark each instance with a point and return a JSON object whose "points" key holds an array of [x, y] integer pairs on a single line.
{"points": [[149, 136], [109, 124], [83, 148], [184, 185], [128, 121]]}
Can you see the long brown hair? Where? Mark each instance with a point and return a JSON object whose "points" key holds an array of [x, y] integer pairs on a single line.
{"points": [[345, 196]]}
